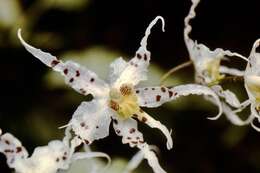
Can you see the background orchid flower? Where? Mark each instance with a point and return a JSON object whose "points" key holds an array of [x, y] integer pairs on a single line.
{"points": [[209, 72], [57, 155], [252, 83], [119, 99]]}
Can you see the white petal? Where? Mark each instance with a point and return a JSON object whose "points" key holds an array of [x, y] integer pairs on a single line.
{"points": [[50, 158], [12, 148], [116, 68], [130, 134], [255, 127], [231, 71], [91, 120], [128, 130], [81, 79], [234, 118], [90, 155], [156, 96], [136, 69], [134, 162], [254, 57], [152, 159], [229, 96], [150, 121]]}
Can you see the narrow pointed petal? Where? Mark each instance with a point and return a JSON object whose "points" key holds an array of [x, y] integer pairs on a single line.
{"points": [[156, 96], [231, 71], [234, 118], [136, 69], [91, 120], [79, 78], [150, 121], [130, 135], [229, 96]]}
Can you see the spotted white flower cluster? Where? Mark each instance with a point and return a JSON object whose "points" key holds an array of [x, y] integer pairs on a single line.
{"points": [[119, 99], [209, 72]]}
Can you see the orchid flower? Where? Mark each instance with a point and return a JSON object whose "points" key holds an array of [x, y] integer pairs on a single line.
{"points": [[57, 155], [209, 72], [119, 99], [252, 84]]}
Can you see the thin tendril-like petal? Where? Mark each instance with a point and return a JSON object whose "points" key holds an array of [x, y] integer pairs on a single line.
{"points": [[148, 30]]}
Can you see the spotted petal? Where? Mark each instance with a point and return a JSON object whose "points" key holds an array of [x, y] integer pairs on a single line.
{"points": [[136, 69], [12, 148], [130, 135], [79, 78], [156, 96], [91, 120]]}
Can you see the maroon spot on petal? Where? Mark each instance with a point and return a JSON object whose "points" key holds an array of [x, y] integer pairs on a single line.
{"points": [[140, 110], [145, 57], [92, 80], [82, 124], [137, 91], [54, 63], [141, 142], [64, 158], [138, 56], [118, 131], [158, 98], [131, 63], [135, 115], [146, 89], [18, 149], [57, 160], [132, 130], [77, 73], [86, 141], [97, 127], [137, 138], [163, 89], [115, 121], [71, 80], [82, 91], [175, 93], [129, 138], [144, 119], [170, 93], [153, 88], [134, 142], [7, 142], [65, 71], [136, 65]]}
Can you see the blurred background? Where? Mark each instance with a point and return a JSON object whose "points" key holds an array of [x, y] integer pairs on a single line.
{"points": [[35, 101]]}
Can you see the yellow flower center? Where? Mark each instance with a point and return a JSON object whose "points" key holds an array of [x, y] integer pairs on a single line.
{"points": [[124, 101], [213, 70]]}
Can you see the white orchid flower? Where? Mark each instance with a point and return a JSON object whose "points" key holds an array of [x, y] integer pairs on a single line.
{"points": [[209, 72], [252, 83], [57, 155], [118, 99]]}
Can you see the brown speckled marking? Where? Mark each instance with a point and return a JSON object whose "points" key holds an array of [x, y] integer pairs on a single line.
{"points": [[144, 119], [71, 80], [158, 98], [145, 57], [135, 115], [170, 93], [18, 149], [125, 90], [114, 105], [54, 63], [138, 56], [7, 142], [77, 73], [86, 141], [65, 71], [163, 89], [132, 130]]}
